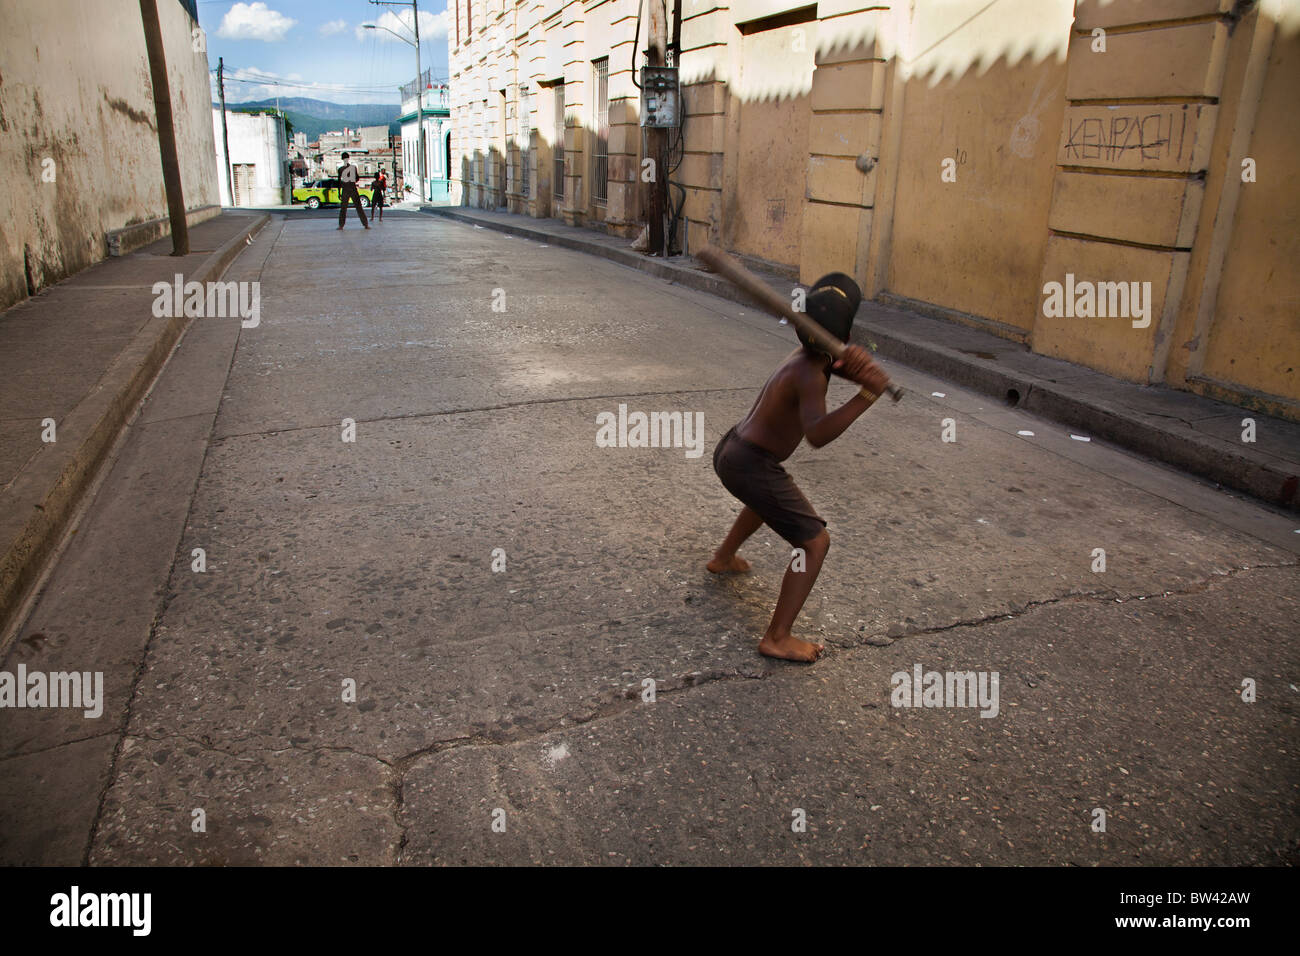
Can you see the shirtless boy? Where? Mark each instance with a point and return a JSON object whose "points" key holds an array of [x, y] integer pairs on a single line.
{"points": [[791, 407]]}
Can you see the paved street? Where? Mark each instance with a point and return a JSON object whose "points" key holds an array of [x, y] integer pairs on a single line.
{"points": [[523, 690]]}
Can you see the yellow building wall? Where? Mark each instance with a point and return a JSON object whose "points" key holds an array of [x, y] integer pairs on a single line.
{"points": [[709, 56], [1255, 339], [762, 209], [985, 90], [1133, 147], [844, 132]]}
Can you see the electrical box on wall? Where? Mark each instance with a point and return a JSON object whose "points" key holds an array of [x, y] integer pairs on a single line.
{"points": [[660, 97]]}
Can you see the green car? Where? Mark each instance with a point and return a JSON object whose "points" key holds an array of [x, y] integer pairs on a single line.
{"points": [[325, 192]]}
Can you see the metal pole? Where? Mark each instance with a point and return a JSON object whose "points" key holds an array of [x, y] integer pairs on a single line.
{"points": [[162, 104], [419, 88], [225, 133], [676, 47], [657, 145], [419, 103]]}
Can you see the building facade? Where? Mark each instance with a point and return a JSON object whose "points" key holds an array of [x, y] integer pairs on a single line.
{"points": [[436, 118], [373, 139], [259, 163], [978, 162], [80, 143], [369, 148]]}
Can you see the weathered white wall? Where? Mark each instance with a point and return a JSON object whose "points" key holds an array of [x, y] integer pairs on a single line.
{"points": [[257, 139], [374, 137], [75, 90]]}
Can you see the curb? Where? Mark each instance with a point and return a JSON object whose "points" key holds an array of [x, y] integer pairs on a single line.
{"points": [[1073, 405], [53, 483], [128, 239]]}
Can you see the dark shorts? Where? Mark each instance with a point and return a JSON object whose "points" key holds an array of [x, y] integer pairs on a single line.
{"points": [[755, 477]]}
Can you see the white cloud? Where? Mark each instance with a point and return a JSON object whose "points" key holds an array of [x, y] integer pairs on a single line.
{"points": [[333, 27], [254, 21], [433, 26]]}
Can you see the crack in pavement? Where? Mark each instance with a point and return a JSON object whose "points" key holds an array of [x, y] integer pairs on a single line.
{"points": [[616, 704], [1074, 597], [397, 768], [206, 743], [415, 416], [612, 706], [61, 743], [610, 709]]}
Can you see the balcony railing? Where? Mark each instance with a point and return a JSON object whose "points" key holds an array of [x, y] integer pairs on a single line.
{"points": [[435, 94]]}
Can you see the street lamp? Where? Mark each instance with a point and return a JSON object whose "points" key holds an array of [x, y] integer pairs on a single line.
{"points": [[419, 79], [375, 26]]}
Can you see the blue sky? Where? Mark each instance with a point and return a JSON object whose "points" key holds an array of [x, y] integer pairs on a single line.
{"points": [[318, 48]]}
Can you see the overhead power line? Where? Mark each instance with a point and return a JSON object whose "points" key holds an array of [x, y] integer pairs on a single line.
{"points": [[243, 76]]}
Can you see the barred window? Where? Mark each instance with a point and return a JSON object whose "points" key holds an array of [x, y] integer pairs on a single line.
{"points": [[525, 134], [600, 187], [558, 188]]}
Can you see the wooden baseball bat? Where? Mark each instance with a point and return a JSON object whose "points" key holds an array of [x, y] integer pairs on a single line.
{"points": [[774, 302]]}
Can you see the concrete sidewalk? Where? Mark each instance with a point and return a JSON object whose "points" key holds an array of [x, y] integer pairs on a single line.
{"points": [[83, 353], [1192, 433]]}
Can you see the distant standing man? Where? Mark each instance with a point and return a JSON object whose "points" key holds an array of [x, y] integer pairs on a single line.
{"points": [[380, 187], [348, 175]]}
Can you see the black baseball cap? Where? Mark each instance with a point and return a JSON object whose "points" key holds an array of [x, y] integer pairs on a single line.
{"points": [[832, 303]]}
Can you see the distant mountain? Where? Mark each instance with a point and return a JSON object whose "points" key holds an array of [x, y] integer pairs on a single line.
{"points": [[356, 114], [314, 117]]}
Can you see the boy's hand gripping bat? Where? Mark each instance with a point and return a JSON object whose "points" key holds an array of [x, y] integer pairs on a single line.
{"points": [[773, 302]]}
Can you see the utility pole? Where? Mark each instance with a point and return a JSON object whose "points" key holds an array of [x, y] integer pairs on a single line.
{"points": [[676, 48], [419, 87], [657, 141], [162, 104], [225, 133], [419, 104]]}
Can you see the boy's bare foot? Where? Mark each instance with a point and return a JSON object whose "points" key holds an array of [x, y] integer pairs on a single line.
{"points": [[737, 564], [789, 648]]}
